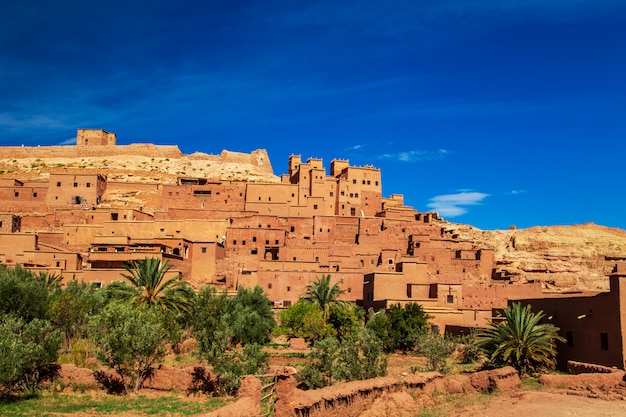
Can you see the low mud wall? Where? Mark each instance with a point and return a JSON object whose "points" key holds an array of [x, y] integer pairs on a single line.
{"points": [[353, 398]]}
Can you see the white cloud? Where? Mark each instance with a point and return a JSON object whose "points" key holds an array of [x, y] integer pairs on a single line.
{"points": [[70, 141], [453, 205], [415, 156]]}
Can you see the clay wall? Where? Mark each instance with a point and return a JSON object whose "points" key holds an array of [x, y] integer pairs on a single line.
{"points": [[50, 238], [591, 325], [192, 214], [192, 230], [59, 261], [287, 281], [212, 196], [13, 246], [496, 295], [16, 198]]}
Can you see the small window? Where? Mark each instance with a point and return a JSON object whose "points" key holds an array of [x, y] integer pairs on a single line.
{"points": [[390, 261], [332, 194], [253, 251], [604, 341], [254, 239], [243, 242], [314, 206], [269, 285], [376, 183], [234, 241], [58, 183], [58, 264], [75, 184], [368, 182], [292, 229], [276, 241], [409, 290], [288, 288], [88, 185], [203, 250], [35, 194], [17, 194], [354, 181], [449, 298]]}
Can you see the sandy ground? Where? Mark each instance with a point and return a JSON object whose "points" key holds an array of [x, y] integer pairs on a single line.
{"points": [[540, 403]]}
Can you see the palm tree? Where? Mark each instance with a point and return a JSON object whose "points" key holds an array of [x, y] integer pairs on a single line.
{"points": [[148, 286], [521, 341], [324, 295]]}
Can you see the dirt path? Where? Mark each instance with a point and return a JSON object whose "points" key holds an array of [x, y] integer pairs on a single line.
{"points": [[539, 404]]}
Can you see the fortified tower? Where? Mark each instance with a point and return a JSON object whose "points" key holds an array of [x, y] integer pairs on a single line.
{"points": [[97, 137]]}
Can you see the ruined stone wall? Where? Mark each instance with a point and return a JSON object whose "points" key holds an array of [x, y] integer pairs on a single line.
{"points": [[42, 152]]}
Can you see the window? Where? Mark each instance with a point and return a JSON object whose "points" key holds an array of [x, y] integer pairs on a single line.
{"points": [[314, 206], [390, 261], [288, 288], [58, 264], [343, 193], [35, 194], [351, 195], [376, 183], [409, 290], [269, 285], [119, 249], [354, 181], [88, 185], [356, 195], [75, 184], [449, 298], [254, 239], [16, 194], [276, 241], [243, 242], [58, 183], [234, 241], [203, 250], [604, 341], [363, 182], [332, 194], [292, 229], [569, 337], [253, 251], [368, 182]]}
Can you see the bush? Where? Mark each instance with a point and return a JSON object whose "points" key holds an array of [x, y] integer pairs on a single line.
{"points": [[399, 327], [132, 340], [28, 352], [436, 348], [355, 358], [22, 294]]}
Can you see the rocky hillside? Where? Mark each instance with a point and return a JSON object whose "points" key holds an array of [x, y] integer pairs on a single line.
{"points": [[136, 162], [564, 258]]}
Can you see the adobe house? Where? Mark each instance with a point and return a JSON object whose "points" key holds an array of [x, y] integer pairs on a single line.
{"points": [[593, 324], [75, 189]]}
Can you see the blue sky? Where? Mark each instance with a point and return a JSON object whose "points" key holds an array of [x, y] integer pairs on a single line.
{"points": [[492, 112]]}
